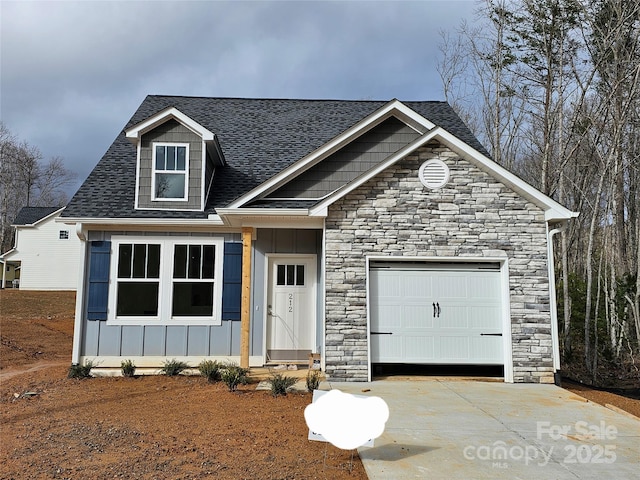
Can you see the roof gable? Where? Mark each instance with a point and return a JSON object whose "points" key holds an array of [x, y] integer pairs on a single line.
{"points": [[265, 143], [394, 108], [135, 132], [553, 210], [29, 216]]}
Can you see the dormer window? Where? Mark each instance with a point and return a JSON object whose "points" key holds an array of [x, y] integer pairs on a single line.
{"points": [[170, 171]]}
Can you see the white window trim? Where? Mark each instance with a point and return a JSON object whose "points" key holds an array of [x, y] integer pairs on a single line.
{"points": [[154, 171], [164, 316]]}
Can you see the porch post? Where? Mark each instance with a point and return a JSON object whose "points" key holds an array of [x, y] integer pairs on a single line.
{"points": [[245, 310]]}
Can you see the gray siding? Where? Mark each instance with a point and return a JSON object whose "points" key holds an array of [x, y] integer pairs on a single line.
{"points": [[349, 162], [473, 216], [172, 132], [282, 241], [100, 339]]}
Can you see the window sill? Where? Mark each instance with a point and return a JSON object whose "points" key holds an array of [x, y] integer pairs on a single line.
{"points": [[155, 322]]}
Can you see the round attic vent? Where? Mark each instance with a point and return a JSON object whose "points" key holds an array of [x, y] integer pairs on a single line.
{"points": [[434, 174]]}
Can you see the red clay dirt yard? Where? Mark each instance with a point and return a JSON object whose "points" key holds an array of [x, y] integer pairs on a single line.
{"points": [[151, 427]]}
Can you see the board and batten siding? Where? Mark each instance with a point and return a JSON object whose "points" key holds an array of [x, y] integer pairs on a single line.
{"points": [[47, 262], [171, 132], [350, 161], [102, 340], [281, 241]]}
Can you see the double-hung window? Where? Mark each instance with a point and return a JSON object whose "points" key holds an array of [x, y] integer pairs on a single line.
{"points": [[170, 171], [169, 281]]}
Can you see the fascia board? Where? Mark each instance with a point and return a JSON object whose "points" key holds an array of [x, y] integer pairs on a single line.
{"points": [[553, 210], [270, 218], [212, 220], [223, 212], [134, 133], [6, 254], [394, 107]]}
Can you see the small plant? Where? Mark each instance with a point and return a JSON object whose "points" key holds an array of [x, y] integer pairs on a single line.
{"points": [[313, 380], [280, 383], [128, 368], [211, 370], [233, 375], [81, 371], [174, 367]]}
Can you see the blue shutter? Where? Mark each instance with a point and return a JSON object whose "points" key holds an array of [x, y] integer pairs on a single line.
{"points": [[232, 281], [98, 295]]}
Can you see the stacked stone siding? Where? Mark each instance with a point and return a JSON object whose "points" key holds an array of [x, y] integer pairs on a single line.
{"points": [[474, 215]]}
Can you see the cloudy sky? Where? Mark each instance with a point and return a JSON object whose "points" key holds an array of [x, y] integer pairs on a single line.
{"points": [[73, 73]]}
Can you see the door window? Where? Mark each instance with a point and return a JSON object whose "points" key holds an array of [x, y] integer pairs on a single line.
{"points": [[290, 275]]}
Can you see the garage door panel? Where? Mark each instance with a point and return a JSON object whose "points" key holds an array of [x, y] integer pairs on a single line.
{"points": [[453, 348], [386, 348], [416, 316], [451, 286], [416, 286], [453, 316], [487, 349], [388, 317], [402, 306], [483, 286], [419, 348], [485, 318]]}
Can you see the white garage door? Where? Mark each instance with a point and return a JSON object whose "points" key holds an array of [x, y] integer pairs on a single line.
{"points": [[436, 313]]}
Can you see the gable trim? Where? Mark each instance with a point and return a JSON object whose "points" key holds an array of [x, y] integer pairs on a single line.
{"points": [[553, 210], [134, 134], [392, 108], [34, 224]]}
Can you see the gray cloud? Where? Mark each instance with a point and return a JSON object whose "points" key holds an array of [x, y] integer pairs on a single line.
{"points": [[74, 72]]}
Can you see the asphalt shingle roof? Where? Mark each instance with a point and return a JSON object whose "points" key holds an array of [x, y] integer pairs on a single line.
{"points": [[31, 215], [259, 138]]}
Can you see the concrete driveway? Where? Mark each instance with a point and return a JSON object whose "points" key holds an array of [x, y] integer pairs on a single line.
{"points": [[473, 429]]}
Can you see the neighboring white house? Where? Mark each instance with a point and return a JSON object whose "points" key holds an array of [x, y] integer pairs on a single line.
{"points": [[45, 252]]}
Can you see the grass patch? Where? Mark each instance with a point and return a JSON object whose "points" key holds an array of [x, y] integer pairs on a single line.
{"points": [[233, 375], [313, 380], [128, 368], [173, 367], [81, 371], [211, 370], [280, 383]]}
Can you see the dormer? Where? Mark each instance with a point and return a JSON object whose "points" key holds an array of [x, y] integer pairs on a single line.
{"points": [[176, 161]]}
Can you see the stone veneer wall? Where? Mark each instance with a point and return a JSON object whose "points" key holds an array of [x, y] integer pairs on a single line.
{"points": [[472, 216]]}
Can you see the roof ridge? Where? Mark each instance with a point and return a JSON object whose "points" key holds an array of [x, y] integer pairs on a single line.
{"points": [[290, 99]]}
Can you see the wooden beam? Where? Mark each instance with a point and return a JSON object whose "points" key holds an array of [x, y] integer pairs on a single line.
{"points": [[245, 310]]}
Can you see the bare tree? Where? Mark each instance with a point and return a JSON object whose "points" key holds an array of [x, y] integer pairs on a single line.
{"points": [[25, 181]]}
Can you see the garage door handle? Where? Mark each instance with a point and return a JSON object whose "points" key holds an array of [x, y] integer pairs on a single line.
{"points": [[381, 333], [436, 310], [491, 334]]}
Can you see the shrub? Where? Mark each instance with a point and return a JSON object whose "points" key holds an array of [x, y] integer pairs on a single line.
{"points": [[210, 369], [233, 375], [81, 371], [313, 380], [173, 367], [128, 368], [280, 383]]}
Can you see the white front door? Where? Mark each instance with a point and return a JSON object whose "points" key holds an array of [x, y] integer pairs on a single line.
{"points": [[446, 315], [291, 309]]}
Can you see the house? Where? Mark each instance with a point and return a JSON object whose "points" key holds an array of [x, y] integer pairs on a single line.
{"points": [[45, 253], [10, 275], [263, 230]]}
